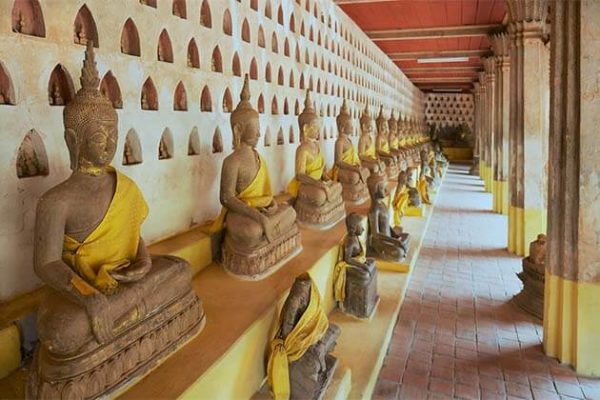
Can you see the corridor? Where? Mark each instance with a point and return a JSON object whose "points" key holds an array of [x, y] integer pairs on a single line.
{"points": [[458, 334]]}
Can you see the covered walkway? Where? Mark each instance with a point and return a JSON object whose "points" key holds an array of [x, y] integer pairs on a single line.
{"points": [[458, 334]]}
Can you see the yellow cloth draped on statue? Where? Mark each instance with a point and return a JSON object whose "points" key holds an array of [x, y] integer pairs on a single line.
{"points": [[399, 204], [310, 328], [313, 168], [395, 143], [350, 157], [339, 273], [114, 242], [257, 194], [423, 189], [370, 152], [385, 147]]}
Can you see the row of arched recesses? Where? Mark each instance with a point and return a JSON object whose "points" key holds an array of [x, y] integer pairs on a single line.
{"points": [[132, 151]]}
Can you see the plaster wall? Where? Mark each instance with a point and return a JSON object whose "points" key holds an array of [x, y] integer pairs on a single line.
{"points": [[183, 190]]}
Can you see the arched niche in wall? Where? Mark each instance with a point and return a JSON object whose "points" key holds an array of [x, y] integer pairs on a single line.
{"points": [[291, 135], [268, 72], [302, 29], [253, 69], [32, 159], [280, 17], [267, 138], [291, 80], [179, 9], [149, 97], [297, 108], [292, 23], [27, 18], [193, 55], [301, 86], [246, 31], [216, 61], [306, 57], [254, 5], [261, 37], [165, 49], [274, 106], [205, 100], [280, 138], [311, 34], [60, 87], [227, 101], [227, 24], [268, 10], [236, 68], [286, 107], [205, 17], [297, 55], [217, 141], [7, 92], [280, 77], [274, 44], [85, 27], [132, 151], [180, 98], [149, 3], [286, 47], [130, 39], [194, 146], [261, 104], [109, 87], [165, 146]]}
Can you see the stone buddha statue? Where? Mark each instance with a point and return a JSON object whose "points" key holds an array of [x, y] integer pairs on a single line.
{"points": [[382, 145], [347, 168], [531, 297], [318, 199], [300, 366], [260, 234], [394, 139], [367, 150], [355, 274], [414, 197], [401, 198], [112, 311], [383, 241], [425, 178]]}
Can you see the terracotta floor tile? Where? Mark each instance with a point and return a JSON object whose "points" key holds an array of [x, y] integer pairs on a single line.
{"points": [[386, 390]]}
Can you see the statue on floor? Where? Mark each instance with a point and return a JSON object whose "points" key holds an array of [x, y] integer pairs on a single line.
{"points": [[112, 311], [367, 151], [414, 196], [401, 199], [383, 241], [425, 179], [383, 146], [531, 297], [300, 366], [355, 274], [347, 168], [318, 199], [260, 234]]}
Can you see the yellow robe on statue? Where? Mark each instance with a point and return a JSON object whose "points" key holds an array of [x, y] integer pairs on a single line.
{"points": [[310, 328], [370, 152], [385, 147], [399, 204], [423, 189], [350, 157], [395, 143], [339, 273], [257, 194], [313, 168], [114, 242]]}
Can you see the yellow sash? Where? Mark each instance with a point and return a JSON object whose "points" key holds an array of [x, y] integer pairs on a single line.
{"points": [[257, 194], [423, 190], [385, 147], [339, 273], [310, 328], [350, 157], [400, 204], [112, 244], [395, 143], [313, 168], [370, 152]]}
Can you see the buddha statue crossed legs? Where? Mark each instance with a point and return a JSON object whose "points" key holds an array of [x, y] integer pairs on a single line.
{"points": [[382, 145]]}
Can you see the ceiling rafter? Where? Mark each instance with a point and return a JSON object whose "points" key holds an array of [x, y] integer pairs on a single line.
{"points": [[414, 55], [434, 33]]}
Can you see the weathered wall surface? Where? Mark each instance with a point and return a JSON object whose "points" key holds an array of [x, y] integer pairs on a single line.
{"points": [[181, 190]]}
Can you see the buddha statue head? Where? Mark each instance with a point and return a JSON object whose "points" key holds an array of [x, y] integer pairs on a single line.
{"points": [[90, 122], [402, 178], [381, 122], [244, 120], [366, 121], [392, 125], [308, 120], [344, 120], [354, 224]]}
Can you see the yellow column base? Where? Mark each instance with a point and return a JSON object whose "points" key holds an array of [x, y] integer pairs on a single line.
{"points": [[512, 217], [571, 326], [482, 170], [500, 197], [10, 350], [489, 182], [524, 224]]}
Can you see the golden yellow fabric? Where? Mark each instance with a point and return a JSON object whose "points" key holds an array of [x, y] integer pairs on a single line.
{"points": [[339, 273], [422, 187], [350, 156], [310, 328], [370, 152], [395, 143], [385, 147], [313, 168], [257, 194], [114, 242], [399, 204]]}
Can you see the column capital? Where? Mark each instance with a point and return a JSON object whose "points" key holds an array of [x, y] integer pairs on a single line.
{"points": [[489, 65], [500, 44], [527, 19]]}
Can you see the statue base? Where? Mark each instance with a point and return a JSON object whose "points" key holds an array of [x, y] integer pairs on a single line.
{"points": [[355, 194], [262, 261], [319, 218], [110, 367], [361, 299], [531, 298], [392, 171]]}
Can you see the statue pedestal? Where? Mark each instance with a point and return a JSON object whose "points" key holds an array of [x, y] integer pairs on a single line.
{"points": [[319, 218], [531, 298]]}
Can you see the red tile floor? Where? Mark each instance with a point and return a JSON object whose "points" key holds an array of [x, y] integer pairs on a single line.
{"points": [[458, 334]]}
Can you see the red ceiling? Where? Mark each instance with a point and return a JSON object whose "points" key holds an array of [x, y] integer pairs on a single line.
{"points": [[464, 43]]}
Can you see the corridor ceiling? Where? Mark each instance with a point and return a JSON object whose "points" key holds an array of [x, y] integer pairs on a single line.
{"points": [[411, 31]]}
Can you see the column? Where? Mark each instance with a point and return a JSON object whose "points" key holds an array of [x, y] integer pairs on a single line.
{"points": [[529, 124], [482, 124], [489, 65], [501, 46], [476, 131], [572, 288]]}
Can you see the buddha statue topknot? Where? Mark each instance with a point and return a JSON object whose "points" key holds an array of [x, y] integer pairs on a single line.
{"points": [[112, 311], [318, 198], [382, 145], [348, 169], [260, 234]]}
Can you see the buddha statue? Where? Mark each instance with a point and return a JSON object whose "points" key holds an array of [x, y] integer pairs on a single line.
{"points": [[383, 241], [383, 146], [347, 168], [531, 297], [425, 179], [300, 366], [355, 274], [112, 311], [260, 234], [367, 151], [401, 198], [394, 139]]}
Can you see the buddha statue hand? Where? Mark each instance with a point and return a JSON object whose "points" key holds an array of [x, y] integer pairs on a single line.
{"points": [[97, 308], [271, 228], [132, 272]]}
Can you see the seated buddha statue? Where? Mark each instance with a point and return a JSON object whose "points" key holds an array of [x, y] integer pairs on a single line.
{"points": [[299, 365], [318, 199], [401, 199], [347, 168], [425, 178], [112, 311], [382, 145], [383, 241], [260, 234], [394, 140], [367, 150], [355, 274]]}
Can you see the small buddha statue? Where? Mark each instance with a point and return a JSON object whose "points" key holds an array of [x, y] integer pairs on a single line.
{"points": [[300, 366], [367, 150], [355, 274], [57, 99], [163, 152], [181, 103], [318, 199], [21, 24], [260, 234], [160, 54], [383, 146], [112, 311], [531, 297], [401, 198], [347, 168], [80, 34], [145, 105], [3, 99], [189, 61], [394, 140], [425, 179], [383, 241]]}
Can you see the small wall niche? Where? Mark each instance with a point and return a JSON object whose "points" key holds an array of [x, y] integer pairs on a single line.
{"points": [[60, 87], [180, 98], [253, 69], [85, 27], [149, 98], [292, 136], [286, 48], [149, 3], [280, 15], [246, 31], [254, 5], [274, 107], [205, 100], [194, 143], [261, 104], [274, 44], [7, 93], [165, 146], [109, 87], [205, 18], [217, 142], [236, 68], [268, 10], [292, 23], [32, 159], [280, 78], [132, 151], [216, 61], [164, 50], [297, 108], [193, 55], [280, 139], [291, 80], [227, 24], [180, 9], [267, 138], [130, 39], [268, 72], [286, 107], [227, 101], [27, 18]]}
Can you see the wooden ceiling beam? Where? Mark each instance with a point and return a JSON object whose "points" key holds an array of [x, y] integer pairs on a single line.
{"points": [[427, 70], [340, 2], [434, 33], [413, 55], [458, 79]]}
